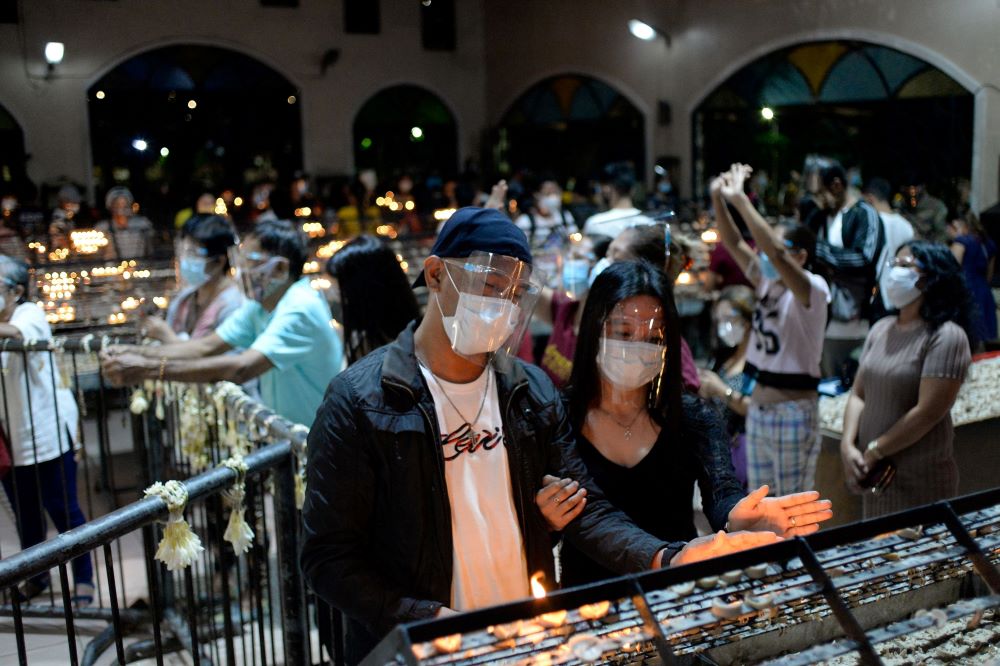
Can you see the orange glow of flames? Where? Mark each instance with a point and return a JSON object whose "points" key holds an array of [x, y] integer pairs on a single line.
{"points": [[595, 611], [554, 618], [537, 590]]}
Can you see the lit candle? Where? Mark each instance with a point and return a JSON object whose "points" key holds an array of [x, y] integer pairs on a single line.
{"points": [[595, 611], [553, 618], [448, 644]]}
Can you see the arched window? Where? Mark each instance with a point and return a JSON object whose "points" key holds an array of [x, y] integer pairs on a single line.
{"points": [[882, 110], [551, 127], [175, 121], [408, 129]]}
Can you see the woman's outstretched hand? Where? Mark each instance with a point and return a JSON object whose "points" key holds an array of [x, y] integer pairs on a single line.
{"points": [[787, 516]]}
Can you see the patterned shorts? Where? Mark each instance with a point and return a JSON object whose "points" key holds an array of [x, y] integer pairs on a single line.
{"points": [[783, 444]]}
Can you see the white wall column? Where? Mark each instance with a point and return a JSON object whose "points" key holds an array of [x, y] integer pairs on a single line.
{"points": [[986, 149]]}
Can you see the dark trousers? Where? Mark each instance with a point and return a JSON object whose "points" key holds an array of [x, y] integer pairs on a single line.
{"points": [[54, 481]]}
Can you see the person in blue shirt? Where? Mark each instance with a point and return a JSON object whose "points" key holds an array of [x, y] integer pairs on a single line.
{"points": [[284, 328]]}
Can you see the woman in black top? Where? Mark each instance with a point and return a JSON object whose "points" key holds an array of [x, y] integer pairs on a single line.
{"points": [[644, 442]]}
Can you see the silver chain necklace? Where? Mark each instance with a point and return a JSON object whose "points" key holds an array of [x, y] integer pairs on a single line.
{"points": [[469, 435], [626, 427]]}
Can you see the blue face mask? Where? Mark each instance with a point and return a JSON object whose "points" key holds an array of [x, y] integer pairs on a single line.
{"points": [[574, 276], [193, 271], [767, 269]]}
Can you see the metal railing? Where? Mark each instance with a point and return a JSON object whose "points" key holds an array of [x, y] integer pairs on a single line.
{"points": [[231, 608]]}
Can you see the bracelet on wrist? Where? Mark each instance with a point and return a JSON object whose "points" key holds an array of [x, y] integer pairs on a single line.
{"points": [[873, 449]]}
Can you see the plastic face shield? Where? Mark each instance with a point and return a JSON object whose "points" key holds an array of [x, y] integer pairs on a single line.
{"points": [[252, 269], [486, 304], [633, 350]]}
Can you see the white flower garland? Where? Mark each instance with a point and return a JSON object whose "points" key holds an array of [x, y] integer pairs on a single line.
{"points": [[179, 546], [238, 532], [299, 450], [194, 420]]}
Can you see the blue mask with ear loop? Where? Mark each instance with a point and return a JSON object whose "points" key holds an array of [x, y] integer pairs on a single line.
{"points": [[767, 269], [193, 269]]}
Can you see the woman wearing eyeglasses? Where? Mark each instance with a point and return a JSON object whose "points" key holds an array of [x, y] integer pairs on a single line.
{"points": [[912, 366], [208, 294], [644, 441], [786, 344]]}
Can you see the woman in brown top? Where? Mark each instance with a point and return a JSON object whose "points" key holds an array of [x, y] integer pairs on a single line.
{"points": [[912, 366]]}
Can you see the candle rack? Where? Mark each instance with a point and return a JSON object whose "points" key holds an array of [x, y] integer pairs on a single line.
{"points": [[838, 592]]}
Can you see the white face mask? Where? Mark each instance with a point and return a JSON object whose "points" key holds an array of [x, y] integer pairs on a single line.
{"points": [[731, 333], [480, 324], [629, 365], [552, 202], [901, 286]]}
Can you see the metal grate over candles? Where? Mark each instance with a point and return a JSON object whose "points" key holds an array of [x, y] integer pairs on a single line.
{"points": [[838, 592]]}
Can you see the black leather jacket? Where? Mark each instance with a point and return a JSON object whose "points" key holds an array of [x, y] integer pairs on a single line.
{"points": [[377, 538]]}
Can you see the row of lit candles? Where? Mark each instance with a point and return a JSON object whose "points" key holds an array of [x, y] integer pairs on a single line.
{"points": [[532, 629]]}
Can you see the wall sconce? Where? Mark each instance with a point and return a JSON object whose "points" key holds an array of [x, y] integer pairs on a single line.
{"points": [[645, 32], [54, 52]]}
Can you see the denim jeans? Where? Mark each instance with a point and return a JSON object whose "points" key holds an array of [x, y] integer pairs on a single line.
{"points": [[54, 482]]}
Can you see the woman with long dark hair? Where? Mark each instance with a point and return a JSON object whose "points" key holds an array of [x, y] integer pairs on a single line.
{"points": [[376, 300], [376, 303], [642, 439], [911, 369]]}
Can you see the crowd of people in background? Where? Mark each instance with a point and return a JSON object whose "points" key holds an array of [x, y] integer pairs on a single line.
{"points": [[612, 421]]}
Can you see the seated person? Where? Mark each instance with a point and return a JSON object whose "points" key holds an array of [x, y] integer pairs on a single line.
{"points": [[284, 328]]}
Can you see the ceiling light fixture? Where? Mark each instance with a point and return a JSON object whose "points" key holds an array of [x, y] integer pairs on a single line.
{"points": [[646, 32]]}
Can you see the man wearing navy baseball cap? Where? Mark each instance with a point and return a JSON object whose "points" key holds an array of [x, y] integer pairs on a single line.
{"points": [[426, 456]]}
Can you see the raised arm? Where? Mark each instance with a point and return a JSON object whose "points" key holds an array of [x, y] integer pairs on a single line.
{"points": [[792, 274], [732, 240]]}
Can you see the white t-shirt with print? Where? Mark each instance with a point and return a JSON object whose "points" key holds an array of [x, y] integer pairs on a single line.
{"points": [[489, 562], [34, 437], [787, 337]]}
